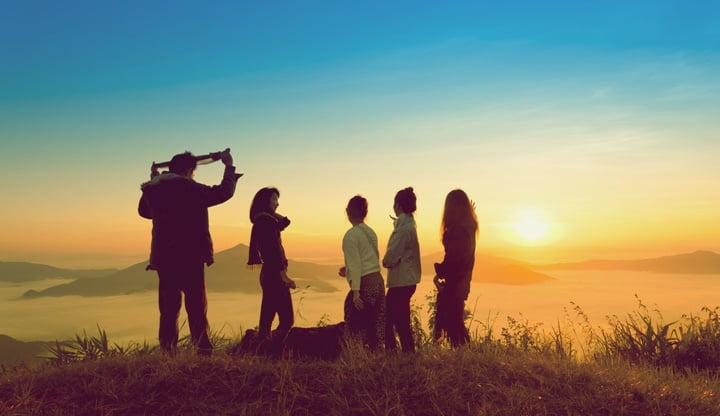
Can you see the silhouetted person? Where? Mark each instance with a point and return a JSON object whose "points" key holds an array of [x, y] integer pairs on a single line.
{"points": [[402, 260], [365, 302], [266, 248], [181, 244], [453, 275]]}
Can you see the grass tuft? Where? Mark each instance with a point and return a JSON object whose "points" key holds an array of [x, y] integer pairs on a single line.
{"points": [[638, 365]]}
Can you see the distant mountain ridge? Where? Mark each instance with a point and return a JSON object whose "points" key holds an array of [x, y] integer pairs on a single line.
{"points": [[491, 269], [18, 271], [228, 273], [13, 351], [698, 262]]}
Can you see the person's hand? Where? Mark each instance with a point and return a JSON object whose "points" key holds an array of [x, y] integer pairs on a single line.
{"points": [[439, 283], [226, 157], [342, 272], [289, 283], [357, 301], [154, 171]]}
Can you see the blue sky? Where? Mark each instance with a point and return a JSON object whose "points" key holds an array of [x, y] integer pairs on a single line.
{"points": [[581, 110], [71, 48]]}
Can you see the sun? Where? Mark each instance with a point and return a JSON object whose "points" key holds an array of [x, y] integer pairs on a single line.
{"points": [[530, 226]]}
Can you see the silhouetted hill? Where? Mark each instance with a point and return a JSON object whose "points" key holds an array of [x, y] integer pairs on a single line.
{"points": [[26, 272], [130, 280], [490, 269], [229, 273], [13, 351], [699, 262]]}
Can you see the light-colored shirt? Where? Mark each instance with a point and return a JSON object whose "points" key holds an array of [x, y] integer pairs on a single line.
{"points": [[361, 254], [402, 257]]}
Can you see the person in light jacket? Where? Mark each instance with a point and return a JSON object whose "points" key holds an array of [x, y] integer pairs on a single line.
{"points": [[402, 259], [365, 303]]}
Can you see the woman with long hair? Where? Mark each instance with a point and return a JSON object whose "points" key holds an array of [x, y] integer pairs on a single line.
{"points": [[402, 259], [365, 303], [459, 231], [266, 249]]}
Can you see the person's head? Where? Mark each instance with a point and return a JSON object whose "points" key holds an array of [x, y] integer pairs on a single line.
{"points": [[357, 209], [265, 200], [183, 164], [405, 201], [458, 211]]}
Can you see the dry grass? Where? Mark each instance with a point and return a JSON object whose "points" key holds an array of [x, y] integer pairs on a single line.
{"points": [[438, 381], [521, 371]]}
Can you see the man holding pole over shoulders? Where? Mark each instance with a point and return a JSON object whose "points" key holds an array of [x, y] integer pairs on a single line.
{"points": [[181, 243]]}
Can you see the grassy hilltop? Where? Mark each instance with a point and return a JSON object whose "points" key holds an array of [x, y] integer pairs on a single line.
{"points": [[469, 381], [639, 366]]}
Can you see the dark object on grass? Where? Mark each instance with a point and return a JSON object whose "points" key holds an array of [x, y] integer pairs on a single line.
{"points": [[324, 342]]}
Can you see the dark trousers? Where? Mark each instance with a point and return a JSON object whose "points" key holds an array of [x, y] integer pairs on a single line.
{"points": [[368, 322], [276, 299], [449, 317], [397, 308], [174, 281]]}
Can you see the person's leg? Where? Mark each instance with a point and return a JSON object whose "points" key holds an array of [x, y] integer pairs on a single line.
{"points": [[440, 316], [402, 318], [457, 332], [267, 310], [196, 307], [353, 319], [391, 302], [169, 302], [285, 309], [372, 292], [381, 314]]}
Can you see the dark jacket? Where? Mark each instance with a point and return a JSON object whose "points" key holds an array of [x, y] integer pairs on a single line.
{"points": [[266, 245], [178, 208], [459, 260]]}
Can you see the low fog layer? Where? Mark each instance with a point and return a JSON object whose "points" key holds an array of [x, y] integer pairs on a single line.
{"points": [[134, 317]]}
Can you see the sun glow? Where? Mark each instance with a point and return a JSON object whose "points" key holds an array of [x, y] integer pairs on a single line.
{"points": [[531, 226]]}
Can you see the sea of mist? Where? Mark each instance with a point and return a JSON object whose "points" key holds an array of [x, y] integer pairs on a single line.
{"points": [[134, 317]]}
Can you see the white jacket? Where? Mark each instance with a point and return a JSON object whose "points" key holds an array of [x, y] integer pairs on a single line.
{"points": [[361, 254], [402, 257]]}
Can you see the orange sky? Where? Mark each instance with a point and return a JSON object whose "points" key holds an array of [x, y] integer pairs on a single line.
{"points": [[616, 219], [605, 126]]}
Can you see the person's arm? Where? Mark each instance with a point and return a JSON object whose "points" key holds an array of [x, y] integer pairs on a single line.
{"points": [[214, 195], [269, 244], [353, 263], [283, 222], [458, 249], [353, 267], [287, 281], [395, 248], [144, 208]]}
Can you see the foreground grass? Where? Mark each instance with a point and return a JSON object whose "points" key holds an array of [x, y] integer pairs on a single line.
{"points": [[476, 380], [637, 365]]}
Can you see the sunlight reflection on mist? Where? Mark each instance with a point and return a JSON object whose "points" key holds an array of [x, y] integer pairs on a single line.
{"points": [[134, 317]]}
